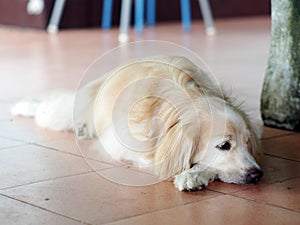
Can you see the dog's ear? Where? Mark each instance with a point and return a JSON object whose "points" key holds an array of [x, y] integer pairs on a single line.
{"points": [[175, 150], [255, 136], [257, 126]]}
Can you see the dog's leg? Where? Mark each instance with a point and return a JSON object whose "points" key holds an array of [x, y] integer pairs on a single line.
{"points": [[194, 179]]}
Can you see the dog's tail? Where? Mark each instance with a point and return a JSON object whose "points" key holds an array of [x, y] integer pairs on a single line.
{"points": [[53, 111]]}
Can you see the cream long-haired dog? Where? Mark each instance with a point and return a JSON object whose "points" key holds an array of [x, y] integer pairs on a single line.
{"points": [[163, 112]]}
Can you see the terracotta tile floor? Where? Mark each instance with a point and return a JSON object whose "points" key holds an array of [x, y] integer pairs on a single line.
{"points": [[46, 180]]}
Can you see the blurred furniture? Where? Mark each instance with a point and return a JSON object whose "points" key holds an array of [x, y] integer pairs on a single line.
{"points": [[57, 11], [150, 16], [138, 16], [88, 13]]}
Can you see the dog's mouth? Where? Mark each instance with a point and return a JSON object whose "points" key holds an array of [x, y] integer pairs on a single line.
{"points": [[252, 176]]}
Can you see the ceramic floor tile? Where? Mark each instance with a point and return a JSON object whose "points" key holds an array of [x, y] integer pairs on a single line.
{"points": [[283, 194], [94, 158], [67, 144], [90, 149], [5, 111], [6, 143], [44, 62], [27, 164], [94, 150], [25, 129], [220, 210], [93, 199], [285, 147], [269, 132], [129, 177], [15, 212], [229, 188], [87, 149], [277, 170]]}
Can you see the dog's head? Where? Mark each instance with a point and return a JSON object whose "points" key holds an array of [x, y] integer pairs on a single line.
{"points": [[229, 146], [224, 141]]}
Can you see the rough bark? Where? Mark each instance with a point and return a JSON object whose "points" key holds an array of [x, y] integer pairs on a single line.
{"points": [[280, 99]]}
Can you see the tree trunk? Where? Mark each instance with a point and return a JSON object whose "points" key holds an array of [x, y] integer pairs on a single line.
{"points": [[280, 98]]}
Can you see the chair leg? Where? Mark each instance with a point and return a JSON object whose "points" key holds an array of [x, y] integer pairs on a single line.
{"points": [[125, 20], [107, 14], [150, 15], [139, 16], [56, 16], [207, 17], [185, 14]]}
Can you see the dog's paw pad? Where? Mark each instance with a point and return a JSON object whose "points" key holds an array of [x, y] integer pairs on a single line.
{"points": [[190, 182]]}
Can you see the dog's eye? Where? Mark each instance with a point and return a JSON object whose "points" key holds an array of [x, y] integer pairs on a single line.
{"points": [[225, 146]]}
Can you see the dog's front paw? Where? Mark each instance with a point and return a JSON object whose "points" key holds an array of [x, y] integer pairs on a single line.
{"points": [[190, 181]]}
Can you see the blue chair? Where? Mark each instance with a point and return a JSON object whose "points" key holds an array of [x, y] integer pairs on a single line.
{"points": [[138, 16], [58, 9], [185, 9], [107, 14], [56, 16]]}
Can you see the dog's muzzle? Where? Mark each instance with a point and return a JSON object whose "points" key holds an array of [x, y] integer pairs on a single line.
{"points": [[253, 175]]}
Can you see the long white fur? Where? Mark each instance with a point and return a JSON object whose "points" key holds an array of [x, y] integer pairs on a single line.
{"points": [[53, 111]]}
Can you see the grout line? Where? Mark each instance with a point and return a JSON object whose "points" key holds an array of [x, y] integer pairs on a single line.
{"points": [[266, 203], [229, 193], [63, 152], [74, 154], [280, 157], [167, 208], [56, 149], [277, 136], [42, 181], [164, 209], [44, 209], [26, 141], [13, 146], [281, 181], [13, 139]]}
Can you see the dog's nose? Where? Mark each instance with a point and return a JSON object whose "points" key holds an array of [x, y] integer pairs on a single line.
{"points": [[254, 175]]}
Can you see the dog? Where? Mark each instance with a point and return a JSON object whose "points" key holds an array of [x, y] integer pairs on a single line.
{"points": [[163, 112]]}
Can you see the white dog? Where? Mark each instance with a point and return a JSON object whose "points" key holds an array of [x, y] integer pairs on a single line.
{"points": [[164, 112]]}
